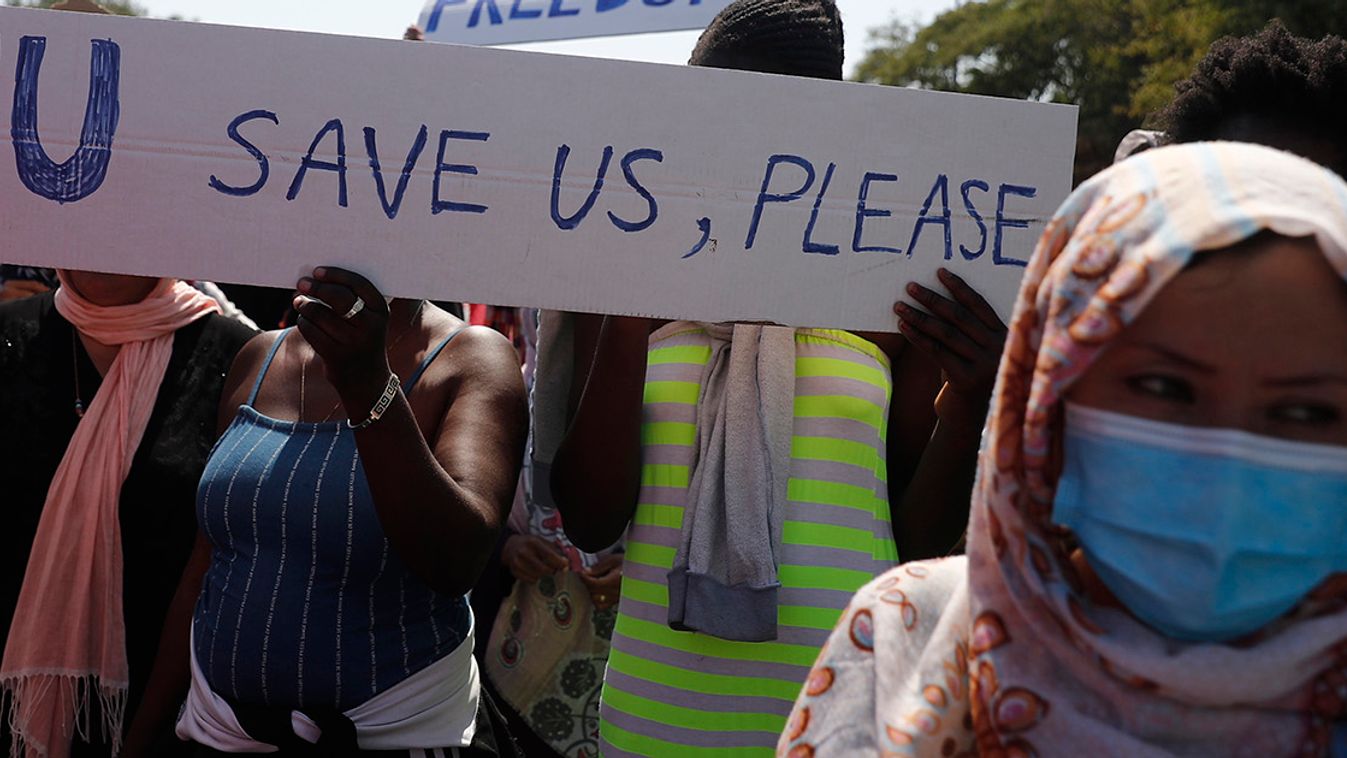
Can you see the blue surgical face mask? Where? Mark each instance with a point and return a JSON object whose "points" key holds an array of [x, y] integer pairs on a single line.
{"points": [[1204, 534]]}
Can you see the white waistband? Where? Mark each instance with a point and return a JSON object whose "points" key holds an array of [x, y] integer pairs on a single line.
{"points": [[435, 707]]}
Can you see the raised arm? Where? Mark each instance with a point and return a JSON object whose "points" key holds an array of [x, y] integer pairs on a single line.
{"points": [[441, 493], [596, 476], [965, 338]]}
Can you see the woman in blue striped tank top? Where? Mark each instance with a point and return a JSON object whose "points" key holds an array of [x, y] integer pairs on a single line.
{"points": [[345, 513]]}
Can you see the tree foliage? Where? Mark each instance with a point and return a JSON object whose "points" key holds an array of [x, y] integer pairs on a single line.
{"points": [[1116, 59], [119, 7]]}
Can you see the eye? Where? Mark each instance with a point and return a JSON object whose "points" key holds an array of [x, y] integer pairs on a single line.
{"points": [[1305, 414], [1162, 387]]}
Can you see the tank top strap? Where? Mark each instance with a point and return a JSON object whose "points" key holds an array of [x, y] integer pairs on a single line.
{"points": [[262, 373], [430, 358]]}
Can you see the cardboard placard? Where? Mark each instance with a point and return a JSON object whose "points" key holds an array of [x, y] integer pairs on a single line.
{"points": [[458, 173], [503, 22]]}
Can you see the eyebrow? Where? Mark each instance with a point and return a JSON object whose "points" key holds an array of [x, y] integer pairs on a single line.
{"points": [[1288, 382], [1176, 357], [1308, 380]]}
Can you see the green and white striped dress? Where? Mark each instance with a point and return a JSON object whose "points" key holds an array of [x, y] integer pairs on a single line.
{"points": [[670, 693]]}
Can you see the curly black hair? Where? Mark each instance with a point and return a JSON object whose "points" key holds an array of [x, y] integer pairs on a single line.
{"points": [[1295, 85], [793, 37]]}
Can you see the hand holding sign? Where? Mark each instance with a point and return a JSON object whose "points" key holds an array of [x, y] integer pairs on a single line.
{"points": [[964, 336], [344, 318], [566, 183]]}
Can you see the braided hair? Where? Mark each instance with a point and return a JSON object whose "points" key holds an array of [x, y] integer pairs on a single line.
{"points": [[1272, 82], [793, 37]]}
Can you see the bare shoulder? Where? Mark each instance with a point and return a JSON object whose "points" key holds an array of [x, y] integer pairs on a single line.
{"points": [[481, 354], [249, 359], [477, 372], [479, 387], [239, 381]]}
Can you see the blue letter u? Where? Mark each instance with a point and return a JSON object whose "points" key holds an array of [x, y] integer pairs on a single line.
{"points": [[81, 175]]}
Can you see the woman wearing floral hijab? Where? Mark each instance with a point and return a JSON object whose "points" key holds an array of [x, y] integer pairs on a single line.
{"points": [[1158, 543]]}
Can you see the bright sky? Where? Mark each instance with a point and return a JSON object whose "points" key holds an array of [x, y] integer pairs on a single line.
{"points": [[388, 18]]}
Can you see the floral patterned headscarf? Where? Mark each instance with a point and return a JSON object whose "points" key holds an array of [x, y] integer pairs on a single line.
{"points": [[1002, 655]]}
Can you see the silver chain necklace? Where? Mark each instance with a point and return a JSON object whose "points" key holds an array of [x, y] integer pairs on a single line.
{"points": [[304, 365]]}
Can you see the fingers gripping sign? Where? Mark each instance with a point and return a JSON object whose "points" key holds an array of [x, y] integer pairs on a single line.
{"points": [[962, 334], [344, 318]]}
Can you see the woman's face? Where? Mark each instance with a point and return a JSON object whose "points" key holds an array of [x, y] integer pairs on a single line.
{"points": [[110, 289], [1253, 339]]}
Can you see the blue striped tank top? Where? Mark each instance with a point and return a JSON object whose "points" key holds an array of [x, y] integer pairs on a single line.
{"points": [[305, 604]]}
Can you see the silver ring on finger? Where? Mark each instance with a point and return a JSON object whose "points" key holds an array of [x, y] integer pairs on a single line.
{"points": [[356, 307]]}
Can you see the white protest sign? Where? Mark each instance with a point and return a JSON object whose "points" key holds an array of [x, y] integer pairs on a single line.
{"points": [[501, 22], [458, 173]]}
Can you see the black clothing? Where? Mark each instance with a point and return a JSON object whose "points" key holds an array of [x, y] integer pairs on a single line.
{"points": [[269, 307], [39, 350], [45, 276]]}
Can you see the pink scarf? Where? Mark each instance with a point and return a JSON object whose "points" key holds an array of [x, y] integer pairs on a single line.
{"points": [[68, 638]]}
